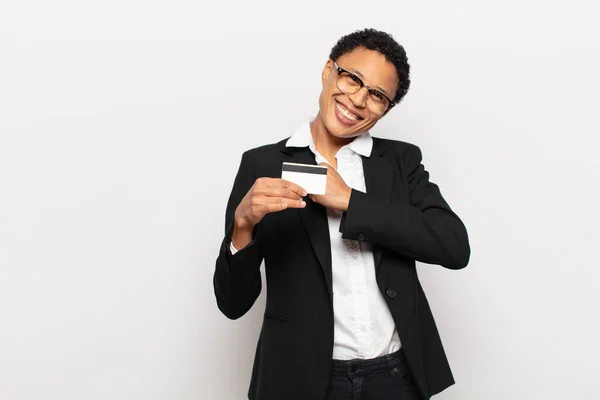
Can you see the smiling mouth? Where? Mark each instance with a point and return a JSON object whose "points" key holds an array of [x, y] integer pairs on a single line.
{"points": [[346, 113]]}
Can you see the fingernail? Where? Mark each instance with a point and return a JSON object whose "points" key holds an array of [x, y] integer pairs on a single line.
{"points": [[302, 203], [304, 193]]}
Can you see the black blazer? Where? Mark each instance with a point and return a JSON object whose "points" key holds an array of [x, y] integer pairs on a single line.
{"points": [[405, 218]]}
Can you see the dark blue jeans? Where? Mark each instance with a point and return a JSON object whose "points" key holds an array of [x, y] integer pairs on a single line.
{"points": [[381, 378]]}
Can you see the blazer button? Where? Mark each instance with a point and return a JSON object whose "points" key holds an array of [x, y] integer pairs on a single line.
{"points": [[391, 293], [360, 237]]}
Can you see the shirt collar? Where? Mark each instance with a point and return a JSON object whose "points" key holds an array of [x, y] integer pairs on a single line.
{"points": [[302, 137]]}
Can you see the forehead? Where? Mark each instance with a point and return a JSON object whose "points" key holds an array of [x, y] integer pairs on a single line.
{"points": [[372, 67]]}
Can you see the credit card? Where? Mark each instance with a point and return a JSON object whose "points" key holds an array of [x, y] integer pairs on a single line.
{"points": [[313, 178]]}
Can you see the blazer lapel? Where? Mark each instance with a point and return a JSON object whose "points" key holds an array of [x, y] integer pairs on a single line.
{"points": [[314, 216], [378, 181]]}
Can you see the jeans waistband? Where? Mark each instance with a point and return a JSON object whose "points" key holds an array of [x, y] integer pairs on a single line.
{"points": [[365, 367]]}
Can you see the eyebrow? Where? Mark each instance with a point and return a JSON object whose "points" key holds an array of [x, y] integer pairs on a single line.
{"points": [[357, 72]]}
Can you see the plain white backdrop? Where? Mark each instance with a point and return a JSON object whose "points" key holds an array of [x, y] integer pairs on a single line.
{"points": [[122, 124]]}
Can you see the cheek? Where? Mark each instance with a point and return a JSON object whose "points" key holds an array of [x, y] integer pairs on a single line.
{"points": [[326, 101], [323, 100], [325, 94]]}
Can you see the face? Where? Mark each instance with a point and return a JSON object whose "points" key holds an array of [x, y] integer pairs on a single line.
{"points": [[335, 106]]}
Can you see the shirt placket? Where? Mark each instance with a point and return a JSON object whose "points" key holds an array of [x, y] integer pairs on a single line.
{"points": [[354, 261]]}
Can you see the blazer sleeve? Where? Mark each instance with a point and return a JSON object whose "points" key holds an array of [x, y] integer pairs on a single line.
{"points": [[237, 280], [426, 230]]}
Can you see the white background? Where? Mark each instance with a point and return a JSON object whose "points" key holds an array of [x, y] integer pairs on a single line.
{"points": [[122, 124]]}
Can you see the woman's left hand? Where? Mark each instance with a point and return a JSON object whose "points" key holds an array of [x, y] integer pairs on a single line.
{"points": [[337, 195]]}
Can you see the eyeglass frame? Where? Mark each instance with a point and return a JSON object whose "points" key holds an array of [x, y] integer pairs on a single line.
{"points": [[362, 84]]}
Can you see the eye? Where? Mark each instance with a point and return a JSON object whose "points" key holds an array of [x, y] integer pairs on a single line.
{"points": [[351, 77], [377, 96], [351, 80]]}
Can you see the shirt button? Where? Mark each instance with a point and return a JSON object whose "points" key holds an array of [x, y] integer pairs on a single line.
{"points": [[360, 237], [364, 329], [391, 293]]}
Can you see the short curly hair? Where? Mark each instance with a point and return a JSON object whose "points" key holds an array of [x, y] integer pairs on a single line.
{"points": [[385, 44]]}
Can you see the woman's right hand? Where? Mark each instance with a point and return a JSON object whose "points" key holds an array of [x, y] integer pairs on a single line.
{"points": [[265, 196]]}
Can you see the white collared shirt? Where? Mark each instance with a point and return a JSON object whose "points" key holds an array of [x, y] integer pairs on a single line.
{"points": [[363, 324]]}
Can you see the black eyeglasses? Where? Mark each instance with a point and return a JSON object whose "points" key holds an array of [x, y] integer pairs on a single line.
{"points": [[349, 83]]}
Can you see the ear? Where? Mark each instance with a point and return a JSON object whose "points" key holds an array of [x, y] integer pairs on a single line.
{"points": [[326, 71]]}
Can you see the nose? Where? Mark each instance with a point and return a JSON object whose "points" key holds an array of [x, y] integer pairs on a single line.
{"points": [[359, 99]]}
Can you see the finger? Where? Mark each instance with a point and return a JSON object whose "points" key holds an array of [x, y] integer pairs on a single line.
{"points": [[281, 183], [263, 205], [278, 203], [293, 187], [277, 191]]}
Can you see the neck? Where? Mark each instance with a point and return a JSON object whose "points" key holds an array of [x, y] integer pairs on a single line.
{"points": [[325, 143]]}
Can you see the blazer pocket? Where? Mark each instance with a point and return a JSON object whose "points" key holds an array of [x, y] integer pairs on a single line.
{"points": [[276, 318]]}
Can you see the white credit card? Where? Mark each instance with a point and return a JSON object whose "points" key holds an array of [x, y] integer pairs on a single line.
{"points": [[312, 178]]}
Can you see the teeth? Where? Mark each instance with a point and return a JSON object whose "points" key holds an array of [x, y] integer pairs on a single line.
{"points": [[346, 113]]}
